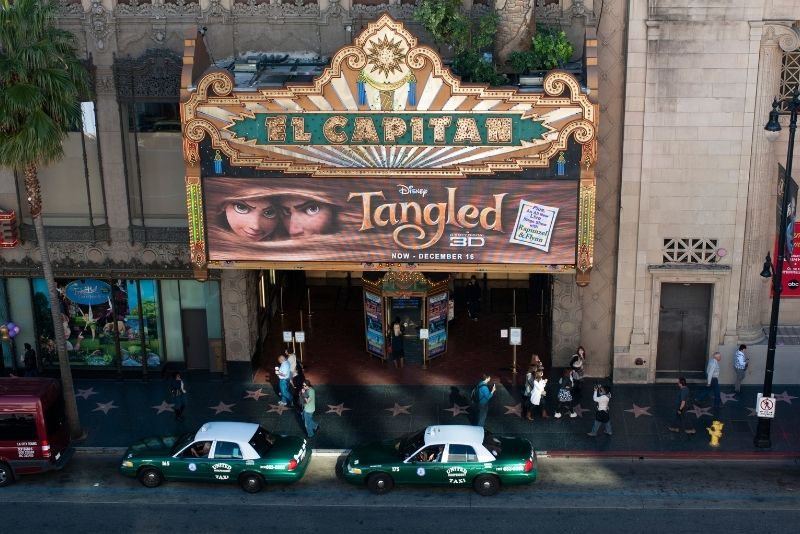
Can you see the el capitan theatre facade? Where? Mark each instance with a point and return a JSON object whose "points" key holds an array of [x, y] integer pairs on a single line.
{"points": [[387, 164]]}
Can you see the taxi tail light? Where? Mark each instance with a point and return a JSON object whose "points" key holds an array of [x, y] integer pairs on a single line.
{"points": [[292, 465], [528, 465], [46, 449]]}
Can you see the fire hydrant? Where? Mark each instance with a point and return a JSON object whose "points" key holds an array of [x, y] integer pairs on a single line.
{"points": [[715, 431]]}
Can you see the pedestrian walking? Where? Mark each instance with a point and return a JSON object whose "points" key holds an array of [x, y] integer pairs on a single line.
{"points": [[398, 345], [536, 362], [526, 393], [577, 370], [308, 403], [292, 358], [177, 389], [682, 404], [740, 363], [601, 397], [537, 399], [284, 372], [29, 360], [481, 396], [712, 381], [565, 395], [473, 298]]}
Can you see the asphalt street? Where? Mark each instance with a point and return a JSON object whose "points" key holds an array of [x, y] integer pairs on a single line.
{"points": [[571, 495]]}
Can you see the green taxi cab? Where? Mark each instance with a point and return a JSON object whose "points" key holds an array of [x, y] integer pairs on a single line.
{"points": [[448, 455], [219, 452]]}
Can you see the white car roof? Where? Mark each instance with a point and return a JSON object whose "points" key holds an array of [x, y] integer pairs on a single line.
{"points": [[226, 431], [461, 434]]}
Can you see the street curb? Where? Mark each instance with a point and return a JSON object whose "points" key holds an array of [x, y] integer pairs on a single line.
{"points": [[676, 455], [639, 455]]}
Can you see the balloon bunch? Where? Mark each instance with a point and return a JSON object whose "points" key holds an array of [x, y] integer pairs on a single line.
{"points": [[7, 331]]}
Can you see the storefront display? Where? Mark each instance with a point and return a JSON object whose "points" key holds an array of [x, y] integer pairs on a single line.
{"points": [[437, 324], [373, 313]]}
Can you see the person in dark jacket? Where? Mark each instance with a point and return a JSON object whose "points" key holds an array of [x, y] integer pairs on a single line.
{"points": [[473, 294]]}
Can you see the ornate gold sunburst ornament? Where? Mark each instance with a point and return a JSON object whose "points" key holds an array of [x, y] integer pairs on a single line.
{"points": [[385, 55]]}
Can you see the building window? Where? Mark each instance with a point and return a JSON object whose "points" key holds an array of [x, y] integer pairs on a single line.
{"points": [[690, 250], [790, 75]]}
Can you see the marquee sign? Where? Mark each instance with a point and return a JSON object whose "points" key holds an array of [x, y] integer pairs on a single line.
{"points": [[388, 158]]}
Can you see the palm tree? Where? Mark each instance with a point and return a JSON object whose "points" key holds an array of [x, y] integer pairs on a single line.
{"points": [[41, 82]]}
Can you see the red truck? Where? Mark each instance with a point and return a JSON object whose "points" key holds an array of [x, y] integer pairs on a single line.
{"points": [[34, 436]]}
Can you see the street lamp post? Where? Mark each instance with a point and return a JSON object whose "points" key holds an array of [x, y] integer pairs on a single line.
{"points": [[762, 439]]}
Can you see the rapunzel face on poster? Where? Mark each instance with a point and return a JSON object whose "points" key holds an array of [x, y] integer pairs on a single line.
{"points": [[385, 220]]}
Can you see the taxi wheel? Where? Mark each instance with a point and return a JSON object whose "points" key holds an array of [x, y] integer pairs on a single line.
{"points": [[380, 483], [150, 477], [251, 483], [486, 485], [6, 475]]}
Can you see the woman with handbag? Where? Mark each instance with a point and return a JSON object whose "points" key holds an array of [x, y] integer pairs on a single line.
{"points": [[601, 417], [565, 396]]}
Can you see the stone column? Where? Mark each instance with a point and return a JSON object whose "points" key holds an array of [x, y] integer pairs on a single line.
{"points": [[567, 318], [762, 188], [239, 291], [514, 27]]}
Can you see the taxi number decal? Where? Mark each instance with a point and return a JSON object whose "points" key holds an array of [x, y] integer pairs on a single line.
{"points": [[271, 467], [511, 468], [165, 463], [395, 469], [457, 480], [221, 477], [192, 467], [421, 471]]}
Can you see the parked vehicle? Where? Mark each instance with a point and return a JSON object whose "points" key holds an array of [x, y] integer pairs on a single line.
{"points": [[220, 452], [448, 455], [33, 431]]}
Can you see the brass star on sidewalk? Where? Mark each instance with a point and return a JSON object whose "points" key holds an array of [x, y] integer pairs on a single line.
{"points": [[105, 407], [640, 410], [785, 397], [85, 393], [164, 407], [222, 407], [255, 394], [728, 397], [752, 412], [457, 409], [515, 410], [277, 408], [398, 409], [700, 411], [337, 409]]}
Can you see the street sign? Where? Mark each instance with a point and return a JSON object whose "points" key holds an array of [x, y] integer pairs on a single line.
{"points": [[423, 333], [287, 336], [300, 337], [765, 406], [515, 337], [503, 333]]}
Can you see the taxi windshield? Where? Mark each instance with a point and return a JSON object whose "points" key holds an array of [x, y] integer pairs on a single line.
{"points": [[410, 443], [182, 442], [262, 441]]}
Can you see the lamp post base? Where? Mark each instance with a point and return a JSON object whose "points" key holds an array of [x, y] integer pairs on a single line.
{"points": [[762, 439]]}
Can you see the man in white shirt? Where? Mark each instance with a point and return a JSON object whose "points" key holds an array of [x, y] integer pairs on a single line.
{"points": [[712, 380], [740, 362]]}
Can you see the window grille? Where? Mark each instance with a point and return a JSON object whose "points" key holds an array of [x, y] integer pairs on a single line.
{"points": [[690, 250], [790, 76]]}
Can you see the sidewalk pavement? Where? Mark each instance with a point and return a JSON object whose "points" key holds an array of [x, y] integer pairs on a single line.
{"points": [[115, 413]]}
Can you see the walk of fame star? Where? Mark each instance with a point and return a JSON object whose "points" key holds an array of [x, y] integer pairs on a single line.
{"points": [[85, 393], [457, 409], [752, 412], [398, 409], [515, 410], [728, 397], [640, 410], [164, 407], [278, 408], [700, 411], [337, 409], [222, 407], [785, 397], [105, 407], [255, 394]]}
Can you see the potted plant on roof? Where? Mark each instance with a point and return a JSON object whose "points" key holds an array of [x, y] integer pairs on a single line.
{"points": [[550, 49]]}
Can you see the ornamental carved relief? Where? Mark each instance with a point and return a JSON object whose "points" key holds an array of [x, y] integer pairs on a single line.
{"points": [[156, 74], [99, 23], [140, 8], [274, 9]]}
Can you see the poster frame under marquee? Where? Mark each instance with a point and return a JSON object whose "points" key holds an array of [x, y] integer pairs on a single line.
{"points": [[209, 87]]}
